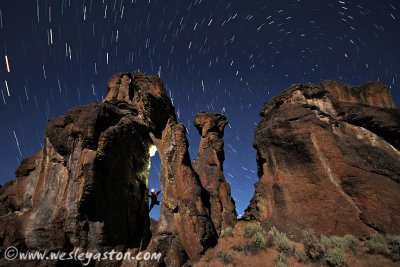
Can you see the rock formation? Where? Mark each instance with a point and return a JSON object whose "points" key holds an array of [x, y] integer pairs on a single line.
{"points": [[184, 214], [87, 187], [209, 166], [328, 159], [67, 198]]}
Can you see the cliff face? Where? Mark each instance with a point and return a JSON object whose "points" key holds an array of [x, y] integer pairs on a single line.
{"points": [[328, 159], [87, 188]]}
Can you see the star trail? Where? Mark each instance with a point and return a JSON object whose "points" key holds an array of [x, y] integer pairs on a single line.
{"points": [[219, 56]]}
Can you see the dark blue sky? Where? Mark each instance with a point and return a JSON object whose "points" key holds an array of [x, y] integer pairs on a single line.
{"points": [[220, 56]]}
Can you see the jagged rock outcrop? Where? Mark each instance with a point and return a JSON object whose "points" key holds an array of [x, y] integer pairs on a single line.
{"points": [[184, 218], [87, 187], [328, 159], [209, 166]]}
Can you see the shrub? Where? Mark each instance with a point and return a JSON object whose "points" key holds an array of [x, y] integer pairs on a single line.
{"points": [[312, 246], [331, 242], [256, 231], [351, 242], [280, 239], [251, 230], [378, 244], [335, 257], [388, 246], [283, 243], [270, 241], [301, 256], [281, 261], [345, 243], [394, 246], [226, 232], [225, 257], [273, 232], [260, 240]]}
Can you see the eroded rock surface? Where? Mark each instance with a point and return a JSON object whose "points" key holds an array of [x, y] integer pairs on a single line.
{"points": [[328, 159], [209, 166], [87, 188], [184, 212]]}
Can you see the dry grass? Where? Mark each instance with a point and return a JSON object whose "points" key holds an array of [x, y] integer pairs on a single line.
{"points": [[247, 245]]}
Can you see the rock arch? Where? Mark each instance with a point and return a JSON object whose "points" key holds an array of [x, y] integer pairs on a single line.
{"points": [[87, 187]]}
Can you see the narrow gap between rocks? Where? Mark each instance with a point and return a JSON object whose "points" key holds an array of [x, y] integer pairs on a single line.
{"points": [[154, 181]]}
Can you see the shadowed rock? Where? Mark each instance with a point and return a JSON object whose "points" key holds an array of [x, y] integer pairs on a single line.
{"points": [[328, 159], [87, 188]]}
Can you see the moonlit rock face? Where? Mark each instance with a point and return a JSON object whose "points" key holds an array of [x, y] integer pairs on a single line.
{"points": [[328, 159]]}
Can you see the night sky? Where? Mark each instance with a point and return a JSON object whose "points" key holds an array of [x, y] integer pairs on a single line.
{"points": [[220, 56]]}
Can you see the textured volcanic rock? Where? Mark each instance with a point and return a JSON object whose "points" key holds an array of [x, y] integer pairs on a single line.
{"points": [[209, 166], [184, 214], [85, 192], [87, 187], [328, 159]]}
